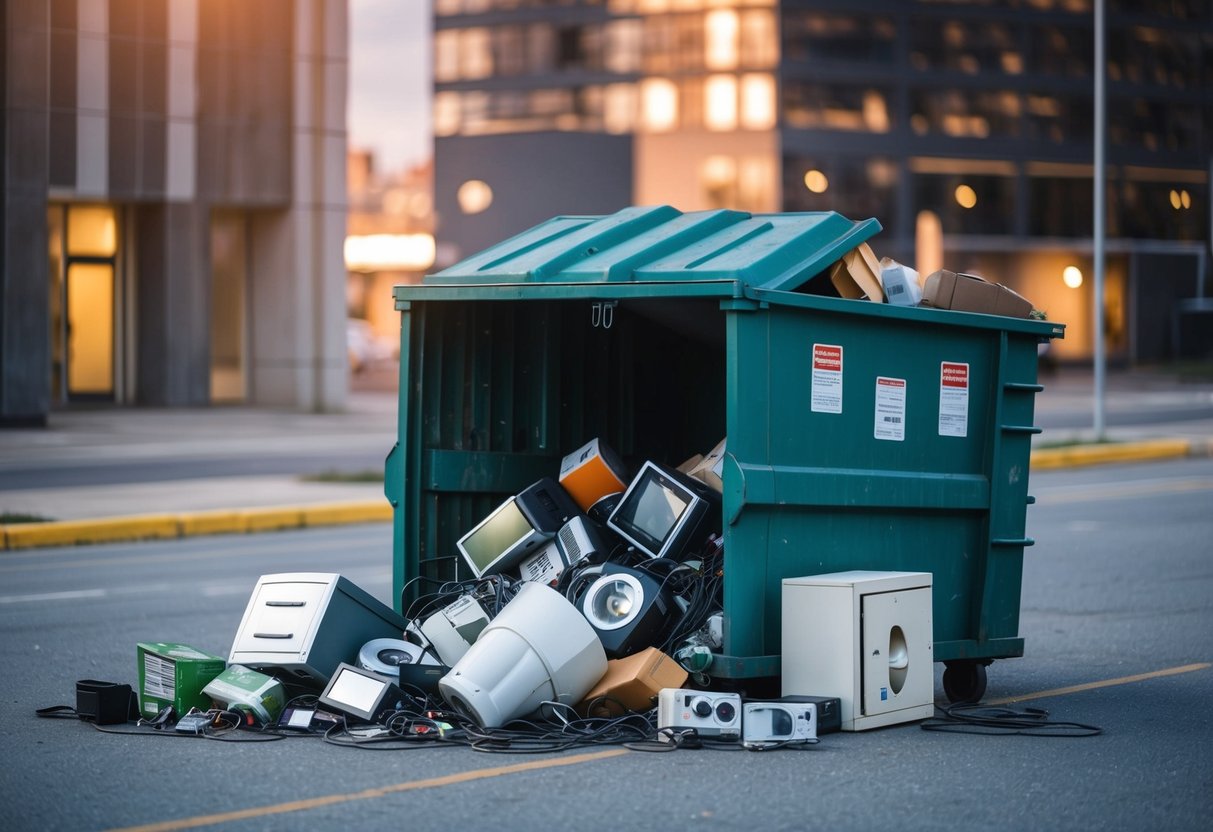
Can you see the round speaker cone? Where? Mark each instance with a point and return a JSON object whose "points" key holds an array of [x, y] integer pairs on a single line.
{"points": [[394, 657], [614, 601]]}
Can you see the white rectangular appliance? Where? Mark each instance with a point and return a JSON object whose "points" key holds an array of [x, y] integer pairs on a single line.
{"points": [[864, 637]]}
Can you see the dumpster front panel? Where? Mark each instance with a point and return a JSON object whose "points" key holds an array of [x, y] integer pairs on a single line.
{"points": [[877, 442]]}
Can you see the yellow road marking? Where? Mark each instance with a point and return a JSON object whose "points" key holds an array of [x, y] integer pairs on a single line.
{"points": [[371, 794], [1107, 683]]}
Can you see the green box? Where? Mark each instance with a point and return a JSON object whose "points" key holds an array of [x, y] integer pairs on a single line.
{"points": [[860, 435], [174, 675]]}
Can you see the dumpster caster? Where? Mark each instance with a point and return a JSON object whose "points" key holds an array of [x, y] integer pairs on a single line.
{"points": [[964, 682]]}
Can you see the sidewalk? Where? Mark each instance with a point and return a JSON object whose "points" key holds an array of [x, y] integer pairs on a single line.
{"points": [[1149, 416]]}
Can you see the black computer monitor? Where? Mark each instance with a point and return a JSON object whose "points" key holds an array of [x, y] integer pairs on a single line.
{"points": [[664, 513]]}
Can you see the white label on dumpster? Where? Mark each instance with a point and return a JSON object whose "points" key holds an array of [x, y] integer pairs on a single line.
{"points": [[953, 399], [890, 408], [827, 378]]}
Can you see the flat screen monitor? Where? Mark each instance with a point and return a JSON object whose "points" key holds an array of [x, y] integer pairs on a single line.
{"points": [[358, 692], [664, 513], [500, 541]]}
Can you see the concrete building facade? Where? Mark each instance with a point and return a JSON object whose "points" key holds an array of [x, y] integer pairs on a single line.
{"points": [[174, 203]]}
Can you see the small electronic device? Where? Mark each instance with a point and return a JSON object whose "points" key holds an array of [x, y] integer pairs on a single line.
{"points": [[579, 539], [241, 689], [591, 472], [628, 609], [666, 514], [764, 723], [455, 628], [547, 505], [543, 567], [500, 540], [384, 655], [709, 714], [360, 693], [195, 722]]}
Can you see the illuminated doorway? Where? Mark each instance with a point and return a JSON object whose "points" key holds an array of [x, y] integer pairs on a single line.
{"points": [[229, 318], [83, 272]]}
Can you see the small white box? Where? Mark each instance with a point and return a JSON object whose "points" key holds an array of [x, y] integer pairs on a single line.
{"points": [[864, 637], [901, 285]]}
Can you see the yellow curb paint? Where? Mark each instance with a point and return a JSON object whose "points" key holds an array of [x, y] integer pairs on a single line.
{"points": [[211, 522], [1083, 455], [337, 514], [1107, 683], [271, 519], [103, 530], [371, 794]]}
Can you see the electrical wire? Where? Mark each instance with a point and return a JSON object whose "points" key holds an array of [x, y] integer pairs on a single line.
{"points": [[996, 721]]}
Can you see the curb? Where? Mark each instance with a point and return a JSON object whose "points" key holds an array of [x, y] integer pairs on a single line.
{"points": [[1080, 456], [189, 524]]}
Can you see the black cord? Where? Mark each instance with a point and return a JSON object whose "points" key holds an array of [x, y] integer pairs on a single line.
{"points": [[986, 719]]}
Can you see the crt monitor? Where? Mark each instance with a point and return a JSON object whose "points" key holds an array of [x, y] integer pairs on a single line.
{"points": [[500, 541], [666, 514]]}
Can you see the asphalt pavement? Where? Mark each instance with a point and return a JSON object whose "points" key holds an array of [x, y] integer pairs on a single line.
{"points": [[105, 463]]}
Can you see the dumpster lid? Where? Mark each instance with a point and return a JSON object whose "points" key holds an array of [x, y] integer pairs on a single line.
{"points": [[662, 245]]}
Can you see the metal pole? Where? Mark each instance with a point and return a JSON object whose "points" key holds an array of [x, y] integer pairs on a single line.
{"points": [[1100, 204]]}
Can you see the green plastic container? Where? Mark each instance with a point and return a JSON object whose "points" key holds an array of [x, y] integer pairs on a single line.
{"points": [[663, 332]]}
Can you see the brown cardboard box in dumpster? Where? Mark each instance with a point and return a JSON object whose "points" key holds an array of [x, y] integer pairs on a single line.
{"points": [[857, 274], [970, 293], [634, 681], [710, 469]]}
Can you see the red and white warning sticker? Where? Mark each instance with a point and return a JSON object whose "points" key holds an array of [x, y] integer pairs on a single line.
{"points": [[953, 399], [827, 379], [890, 408]]}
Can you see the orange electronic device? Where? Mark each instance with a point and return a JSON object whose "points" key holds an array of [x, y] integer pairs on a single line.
{"points": [[592, 472]]}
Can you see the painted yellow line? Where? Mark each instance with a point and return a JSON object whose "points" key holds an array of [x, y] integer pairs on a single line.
{"points": [[1082, 455], [188, 524], [1107, 683], [371, 794]]}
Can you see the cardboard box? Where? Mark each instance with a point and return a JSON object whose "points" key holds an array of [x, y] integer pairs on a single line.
{"points": [[970, 293], [901, 286], [710, 469], [174, 674], [857, 274], [633, 682], [591, 472]]}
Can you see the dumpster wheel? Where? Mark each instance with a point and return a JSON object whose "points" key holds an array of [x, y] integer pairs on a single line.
{"points": [[964, 682]]}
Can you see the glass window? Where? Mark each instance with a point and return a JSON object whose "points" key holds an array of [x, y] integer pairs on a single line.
{"points": [[965, 113], [757, 101], [720, 41], [1155, 125], [836, 107], [1060, 207], [1065, 51], [808, 35], [1163, 210], [659, 99], [92, 231], [759, 38], [475, 54], [720, 102], [855, 187], [446, 56], [624, 39], [968, 46]]}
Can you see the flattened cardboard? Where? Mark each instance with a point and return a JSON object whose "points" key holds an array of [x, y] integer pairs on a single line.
{"points": [[970, 293], [857, 274], [710, 469], [633, 682]]}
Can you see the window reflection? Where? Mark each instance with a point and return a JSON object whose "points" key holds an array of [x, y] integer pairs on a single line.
{"points": [[810, 105]]}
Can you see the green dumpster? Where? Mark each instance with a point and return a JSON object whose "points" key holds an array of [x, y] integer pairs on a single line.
{"points": [[859, 435]]}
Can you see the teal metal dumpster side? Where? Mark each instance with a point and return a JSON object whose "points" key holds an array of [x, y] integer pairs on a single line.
{"points": [[859, 435]]}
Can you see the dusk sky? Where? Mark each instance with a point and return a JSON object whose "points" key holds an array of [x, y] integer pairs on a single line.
{"points": [[389, 93]]}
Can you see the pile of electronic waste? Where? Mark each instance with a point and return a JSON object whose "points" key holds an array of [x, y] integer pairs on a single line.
{"points": [[590, 614]]}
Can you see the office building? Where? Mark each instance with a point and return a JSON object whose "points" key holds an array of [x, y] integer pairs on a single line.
{"points": [[174, 204], [966, 128]]}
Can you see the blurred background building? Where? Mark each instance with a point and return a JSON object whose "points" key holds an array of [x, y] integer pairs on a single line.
{"points": [[966, 128], [174, 203]]}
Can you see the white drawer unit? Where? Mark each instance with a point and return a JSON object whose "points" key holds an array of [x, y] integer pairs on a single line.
{"points": [[299, 626], [864, 637]]}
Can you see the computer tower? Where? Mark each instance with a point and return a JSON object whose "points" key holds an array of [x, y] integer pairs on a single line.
{"points": [[864, 637], [299, 626]]}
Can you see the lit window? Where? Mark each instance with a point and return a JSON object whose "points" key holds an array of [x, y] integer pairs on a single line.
{"points": [[92, 231], [757, 101], [720, 39], [619, 108], [816, 181], [966, 197], [446, 56], [475, 54], [446, 113], [759, 42], [875, 112], [624, 38], [660, 101], [720, 101], [474, 196]]}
